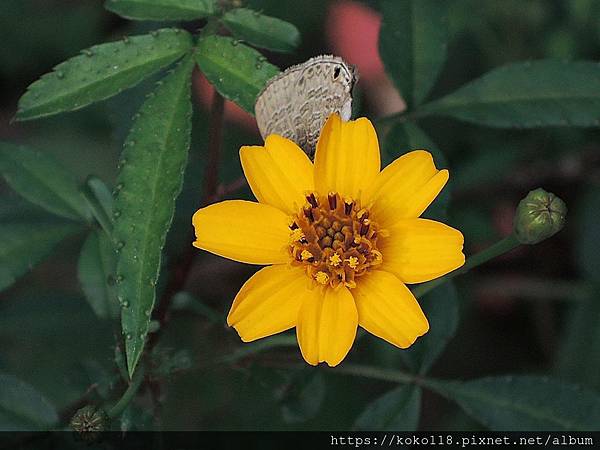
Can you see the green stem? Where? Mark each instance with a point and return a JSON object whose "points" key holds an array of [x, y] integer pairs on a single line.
{"points": [[98, 211], [281, 340], [376, 373], [128, 395], [504, 245]]}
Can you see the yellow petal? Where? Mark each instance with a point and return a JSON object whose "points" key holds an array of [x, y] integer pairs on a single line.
{"points": [[279, 173], [387, 309], [405, 188], [268, 302], [419, 250], [243, 231], [327, 326], [347, 158]]}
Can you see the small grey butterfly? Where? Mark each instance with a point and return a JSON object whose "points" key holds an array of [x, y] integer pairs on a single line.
{"points": [[296, 103]]}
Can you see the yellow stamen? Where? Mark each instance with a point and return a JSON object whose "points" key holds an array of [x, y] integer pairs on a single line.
{"points": [[296, 235], [352, 262], [378, 256], [322, 277], [306, 255], [335, 260]]}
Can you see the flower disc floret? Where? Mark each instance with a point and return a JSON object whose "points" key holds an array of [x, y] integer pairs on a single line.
{"points": [[334, 239]]}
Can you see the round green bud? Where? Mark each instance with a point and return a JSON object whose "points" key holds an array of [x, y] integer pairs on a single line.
{"points": [[539, 215], [90, 421]]}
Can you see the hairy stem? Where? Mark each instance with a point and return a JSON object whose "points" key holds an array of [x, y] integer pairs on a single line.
{"points": [[504, 245]]}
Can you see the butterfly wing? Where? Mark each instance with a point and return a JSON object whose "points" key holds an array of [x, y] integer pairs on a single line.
{"points": [[321, 91], [273, 108], [296, 103]]}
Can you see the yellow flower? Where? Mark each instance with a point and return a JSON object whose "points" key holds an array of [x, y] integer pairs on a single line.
{"points": [[361, 240]]}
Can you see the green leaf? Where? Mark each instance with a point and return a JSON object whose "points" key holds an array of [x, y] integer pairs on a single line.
{"points": [[405, 137], [524, 403], [262, 31], [39, 178], [23, 245], [97, 263], [102, 194], [184, 301], [22, 408], [137, 418], [167, 362], [396, 410], [162, 10], [237, 71], [412, 44], [588, 244], [302, 396], [101, 72], [441, 308], [100, 202], [528, 95], [579, 355], [150, 179], [482, 169]]}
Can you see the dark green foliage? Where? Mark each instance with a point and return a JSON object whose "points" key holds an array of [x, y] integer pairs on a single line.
{"points": [[23, 245], [40, 179], [238, 72], [396, 410], [441, 308], [22, 408], [101, 72], [162, 9], [262, 31], [525, 403], [96, 271], [412, 44], [528, 95], [150, 177]]}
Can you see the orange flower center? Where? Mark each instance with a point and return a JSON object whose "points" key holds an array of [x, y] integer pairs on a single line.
{"points": [[335, 239]]}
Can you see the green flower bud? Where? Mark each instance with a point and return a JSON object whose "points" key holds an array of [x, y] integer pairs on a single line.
{"points": [[539, 215], [89, 422]]}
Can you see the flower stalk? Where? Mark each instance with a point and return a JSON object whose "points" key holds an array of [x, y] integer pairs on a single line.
{"points": [[128, 395], [377, 373], [505, 245]]}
